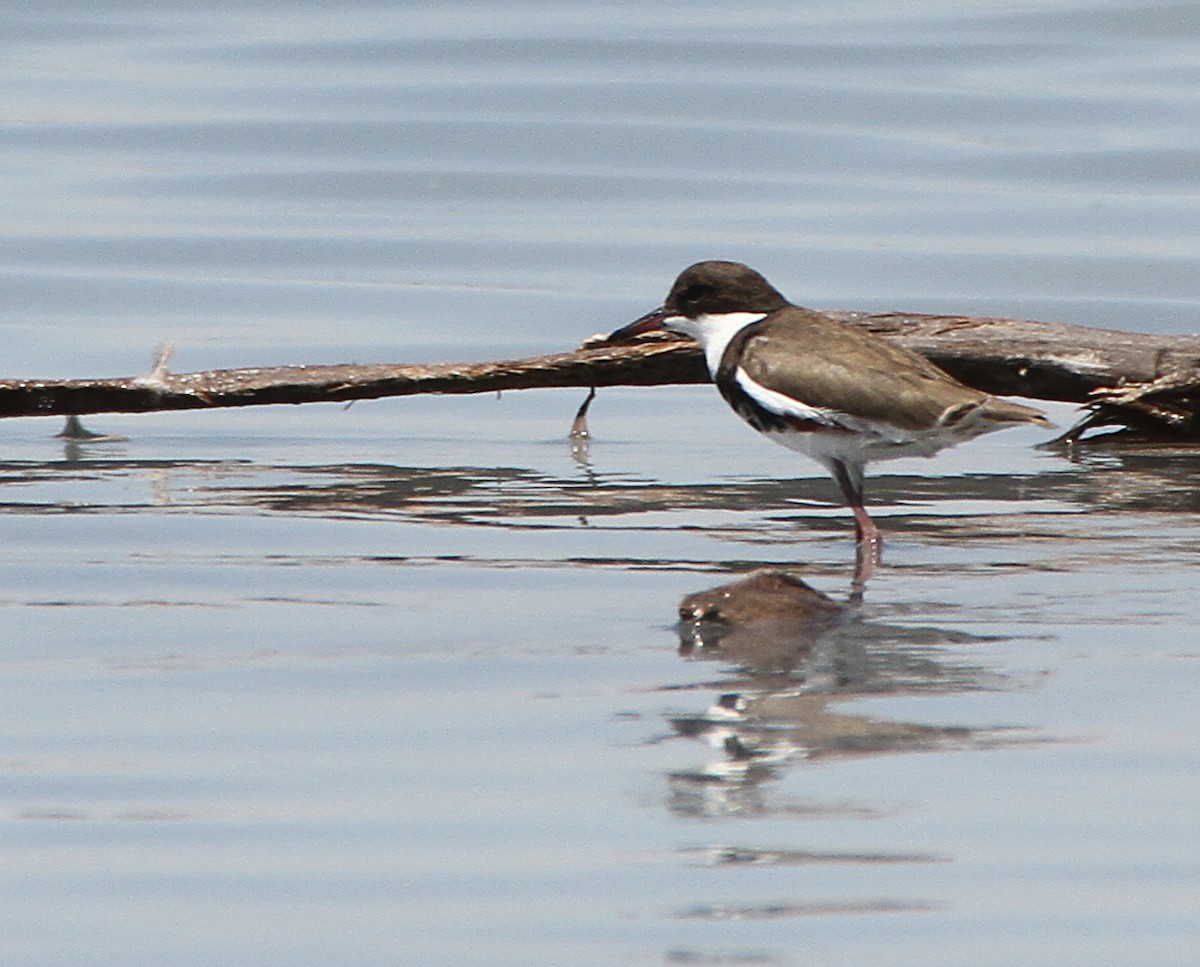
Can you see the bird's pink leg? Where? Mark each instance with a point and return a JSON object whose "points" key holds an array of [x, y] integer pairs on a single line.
{"points": [[865, 531], [869, 552]]}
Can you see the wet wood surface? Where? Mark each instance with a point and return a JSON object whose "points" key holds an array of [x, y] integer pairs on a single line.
{"points": [[1124, 377]]}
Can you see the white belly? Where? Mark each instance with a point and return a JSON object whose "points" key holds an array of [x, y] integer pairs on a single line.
{"points": [[858, 448]]}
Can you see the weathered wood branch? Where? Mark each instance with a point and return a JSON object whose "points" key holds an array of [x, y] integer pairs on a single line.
{"points": [[1127, 378], [1137, 380], [644, 365]]}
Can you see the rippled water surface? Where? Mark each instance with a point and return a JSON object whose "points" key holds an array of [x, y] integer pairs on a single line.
{"points": [[400, 683]]}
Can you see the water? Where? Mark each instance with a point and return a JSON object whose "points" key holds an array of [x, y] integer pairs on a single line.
{"points": [[398, 684]]}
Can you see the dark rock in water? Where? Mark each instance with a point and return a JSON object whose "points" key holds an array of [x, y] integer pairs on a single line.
{"points": [[766, 596], [769, 621]]}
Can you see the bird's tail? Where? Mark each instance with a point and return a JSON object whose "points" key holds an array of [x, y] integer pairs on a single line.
{"points": [[992, 413]]}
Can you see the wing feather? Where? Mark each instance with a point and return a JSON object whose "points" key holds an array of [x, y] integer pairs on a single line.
{"points": [[835, 369]]}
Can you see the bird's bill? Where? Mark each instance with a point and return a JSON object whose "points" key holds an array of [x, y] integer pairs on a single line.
{"points": [[647, 323]]}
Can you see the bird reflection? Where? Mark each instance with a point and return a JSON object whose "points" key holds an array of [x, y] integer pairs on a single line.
{"points": [[793, 658]]}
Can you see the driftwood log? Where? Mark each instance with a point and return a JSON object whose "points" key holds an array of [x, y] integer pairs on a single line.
{"points": [[1135, 380]]}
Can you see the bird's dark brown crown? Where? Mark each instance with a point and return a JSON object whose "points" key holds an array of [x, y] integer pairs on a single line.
{"points": [[713, 287]]}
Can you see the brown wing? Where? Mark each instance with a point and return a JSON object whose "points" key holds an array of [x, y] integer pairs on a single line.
{"points": [[829, 365]]}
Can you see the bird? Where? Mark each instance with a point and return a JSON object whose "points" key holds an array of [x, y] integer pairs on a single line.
{"points": [[832, 391]]}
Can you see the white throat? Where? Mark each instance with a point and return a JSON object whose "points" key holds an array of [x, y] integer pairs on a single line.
{"points": [[714, 332]]}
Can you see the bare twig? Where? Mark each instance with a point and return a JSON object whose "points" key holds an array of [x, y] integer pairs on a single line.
{"points": [[1124, 377]]}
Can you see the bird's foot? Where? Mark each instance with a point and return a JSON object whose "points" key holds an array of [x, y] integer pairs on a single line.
{"points": [[868, 554]]}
